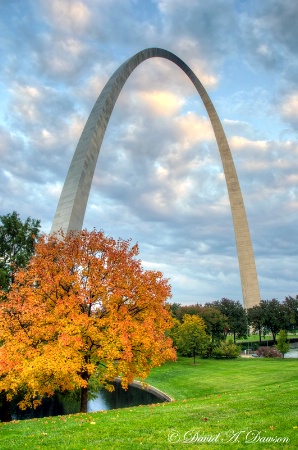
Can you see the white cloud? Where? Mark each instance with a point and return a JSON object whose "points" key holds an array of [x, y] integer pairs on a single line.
{"points": [[68, 16], [289, 107], [162, 103], [239, 143], [193, 129], [159, 178]]}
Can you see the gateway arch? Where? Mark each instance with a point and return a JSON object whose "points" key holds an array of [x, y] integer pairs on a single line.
{"points": [[73, 200]]}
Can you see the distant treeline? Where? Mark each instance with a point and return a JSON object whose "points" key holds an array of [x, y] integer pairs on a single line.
{"points": [[223, 317]]}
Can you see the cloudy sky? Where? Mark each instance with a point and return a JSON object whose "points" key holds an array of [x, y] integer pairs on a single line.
{"points": [[159, 178]]}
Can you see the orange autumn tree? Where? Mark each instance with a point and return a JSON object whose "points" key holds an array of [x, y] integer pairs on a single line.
{"points": [[84, 309]]}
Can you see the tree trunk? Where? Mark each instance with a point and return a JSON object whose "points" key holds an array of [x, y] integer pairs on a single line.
{"points": [[84, 399], [274, 337], [260, 334], [194, 356], [84, 390], [5, 414]]}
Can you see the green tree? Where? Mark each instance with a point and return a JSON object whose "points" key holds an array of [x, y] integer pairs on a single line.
{"points": [[256, 318], [216, 323], [173, 333], [192, 337], [282, 343], [236, 315], [274, 315], [17, 241], [174, 307], [192, 310], [291, 312]]}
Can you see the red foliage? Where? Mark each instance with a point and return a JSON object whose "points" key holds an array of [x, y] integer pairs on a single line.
{"points": [[268, 352]]}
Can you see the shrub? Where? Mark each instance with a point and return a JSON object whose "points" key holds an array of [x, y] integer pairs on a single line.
{"points": [[226, 350], [268, 352]]}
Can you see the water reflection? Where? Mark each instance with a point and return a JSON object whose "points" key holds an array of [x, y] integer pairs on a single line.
{"points": [[61, 405], [120, 398]]}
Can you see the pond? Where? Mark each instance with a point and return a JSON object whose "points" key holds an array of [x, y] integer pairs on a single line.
{"points": [[293, 353], [105, 400]]}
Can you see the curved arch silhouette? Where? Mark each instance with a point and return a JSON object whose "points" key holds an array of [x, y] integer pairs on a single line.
{"points": [[73, 200]]}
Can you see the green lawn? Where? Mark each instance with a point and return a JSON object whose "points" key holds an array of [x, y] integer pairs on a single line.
{"points": [[227, 402]]}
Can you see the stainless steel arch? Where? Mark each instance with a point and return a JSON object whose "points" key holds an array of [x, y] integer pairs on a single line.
{"points": [[73, 200]]}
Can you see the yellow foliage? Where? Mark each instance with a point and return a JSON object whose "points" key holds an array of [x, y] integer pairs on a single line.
{"points": [[83, 307]]}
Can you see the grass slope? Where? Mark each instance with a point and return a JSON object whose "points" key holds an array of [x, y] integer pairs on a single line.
{"points": [[232, 404]]}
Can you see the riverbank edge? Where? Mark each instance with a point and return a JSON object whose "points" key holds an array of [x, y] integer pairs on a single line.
{"points": [[153, 390]]}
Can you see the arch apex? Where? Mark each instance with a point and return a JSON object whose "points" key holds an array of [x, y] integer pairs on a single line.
{"points": [[72, 204]]}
